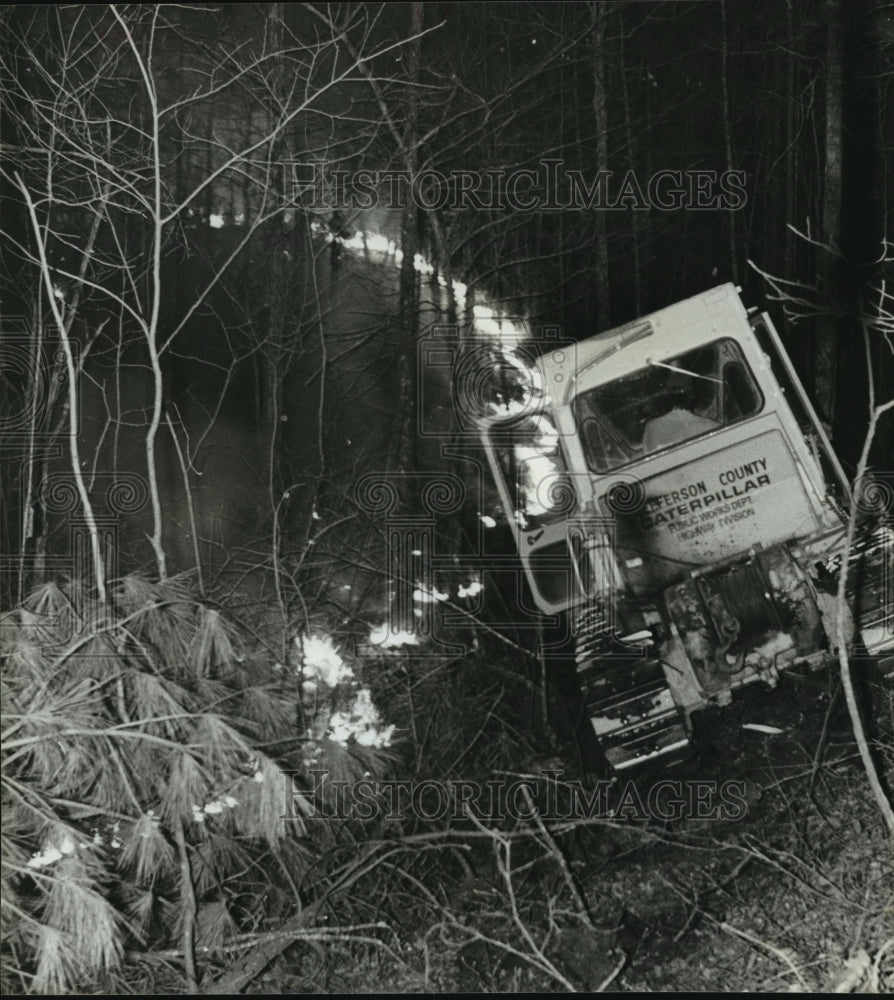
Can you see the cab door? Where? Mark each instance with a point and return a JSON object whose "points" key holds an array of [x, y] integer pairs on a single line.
{"points": [[530, 469]]}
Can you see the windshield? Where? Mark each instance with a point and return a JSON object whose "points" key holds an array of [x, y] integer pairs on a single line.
{"points": [[669, 402]]}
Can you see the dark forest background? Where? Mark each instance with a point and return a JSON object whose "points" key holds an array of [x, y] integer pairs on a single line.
{"points": [[213, 392], [776, 114]]}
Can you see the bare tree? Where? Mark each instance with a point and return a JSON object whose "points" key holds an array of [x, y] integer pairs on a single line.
{"points": [[869, 499], [137, 204], [108, 146]]}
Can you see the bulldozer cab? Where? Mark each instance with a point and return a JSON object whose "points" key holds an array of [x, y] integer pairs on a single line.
{"points": [[655, 449], [671, 487]]}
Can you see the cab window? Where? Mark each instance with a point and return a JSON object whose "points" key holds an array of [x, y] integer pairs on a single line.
{"points": [[669, 402]]}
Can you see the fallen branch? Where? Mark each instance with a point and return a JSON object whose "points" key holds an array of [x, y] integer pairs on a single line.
{"points": [[778, 952]]}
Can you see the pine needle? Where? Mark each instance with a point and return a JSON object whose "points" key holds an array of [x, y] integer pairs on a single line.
{"points": [[57, 964], [272, 715], [262, 800], [214, 926], [86, 918], [155, 699], [211, 651], [146, 853], [187, 787], [139, 905], [144, 724]]}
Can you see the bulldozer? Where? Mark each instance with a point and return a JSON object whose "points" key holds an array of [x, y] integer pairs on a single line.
{"points": [[675, 496]]}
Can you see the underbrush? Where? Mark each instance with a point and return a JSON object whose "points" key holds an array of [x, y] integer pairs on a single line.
{"points": [[186, 812], [149, 756]]}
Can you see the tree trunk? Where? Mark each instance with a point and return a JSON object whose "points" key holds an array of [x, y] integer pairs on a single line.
{"points": [[408, 306], [728, 136], [598, 17], [788, 262], [635, 217], [277, 279], [825, 366]]}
